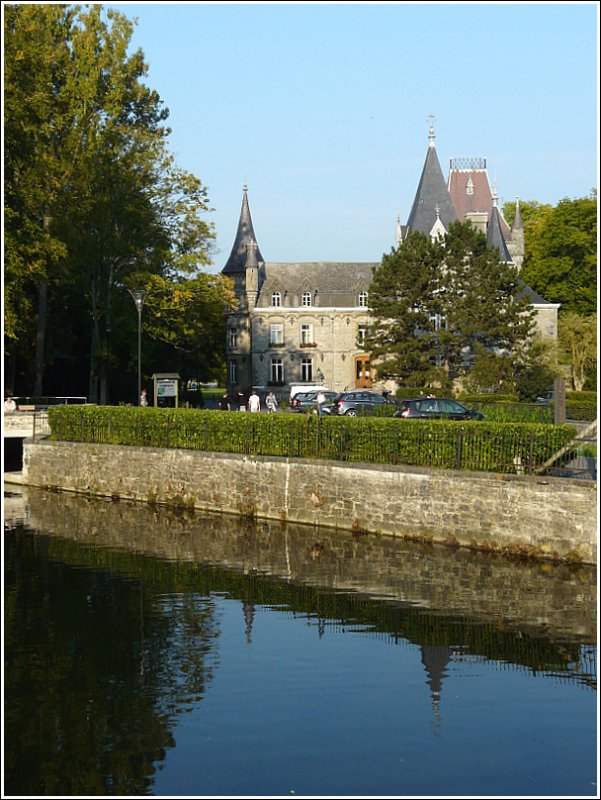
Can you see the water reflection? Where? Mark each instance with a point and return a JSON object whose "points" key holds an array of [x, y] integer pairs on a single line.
{"points": [[113, 623]]}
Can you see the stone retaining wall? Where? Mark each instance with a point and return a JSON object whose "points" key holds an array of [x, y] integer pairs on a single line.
{"points": [[552, 518]]}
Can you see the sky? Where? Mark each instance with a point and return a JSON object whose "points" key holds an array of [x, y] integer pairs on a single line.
{"points": [[322, 109]]}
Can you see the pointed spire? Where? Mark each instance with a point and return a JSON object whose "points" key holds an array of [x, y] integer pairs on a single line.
{"points": [[518, 225], [494, 234], [431, 134], [432, 192], [244, 236]]}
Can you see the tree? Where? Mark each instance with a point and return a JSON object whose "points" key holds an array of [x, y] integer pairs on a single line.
{"points": [[561, 252], [93, 194], [401, 341], [578, 341], [435, 303]]}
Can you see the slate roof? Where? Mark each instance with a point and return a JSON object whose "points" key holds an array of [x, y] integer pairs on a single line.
{"points": [[494, 236], [432, 193], [518, 225], [332, 284], [533, 297], [244, 236]]}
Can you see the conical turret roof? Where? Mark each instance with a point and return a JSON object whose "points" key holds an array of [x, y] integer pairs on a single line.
{"points": [[518, 225], [432, 199], [244, 236], [494, 235]]}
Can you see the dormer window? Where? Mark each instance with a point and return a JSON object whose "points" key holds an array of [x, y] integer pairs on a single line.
{"points": [[276, 299], [469, 189], [306, 299], [362, 300]]}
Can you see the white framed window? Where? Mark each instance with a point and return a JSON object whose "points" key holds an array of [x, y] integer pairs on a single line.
{"points": [[276, 333], [233, 372], [306, 369], [232, 339], [306, 334], [361, 333], [276, 299], [362, 300], [277, 370], [306, 299]]}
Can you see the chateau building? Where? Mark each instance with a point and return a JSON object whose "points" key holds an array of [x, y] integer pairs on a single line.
{"points": [[305, 322]]}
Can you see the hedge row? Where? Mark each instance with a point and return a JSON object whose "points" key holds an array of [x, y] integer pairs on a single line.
{"points": [[482, 446]]}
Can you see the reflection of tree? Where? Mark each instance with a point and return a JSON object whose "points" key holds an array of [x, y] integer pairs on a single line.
{"points": [[109, 666]]}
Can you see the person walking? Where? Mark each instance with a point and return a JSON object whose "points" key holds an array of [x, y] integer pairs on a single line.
{"points": [[319, 401], [271, 403], [254, 402]]}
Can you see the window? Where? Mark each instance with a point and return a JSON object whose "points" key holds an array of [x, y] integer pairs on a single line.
{"points": [[232, 338], [277, 370], [276, 299], [306, 334], [276, 334], [361, 333], [439, 321], [233, 372], [362, 299], [306, 369], [306, 299]]}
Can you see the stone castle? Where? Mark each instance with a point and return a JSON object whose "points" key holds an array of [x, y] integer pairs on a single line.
{"points": [[305, 323]]}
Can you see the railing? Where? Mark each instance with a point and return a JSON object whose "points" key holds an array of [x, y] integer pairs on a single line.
{"points": [[507, 449]]}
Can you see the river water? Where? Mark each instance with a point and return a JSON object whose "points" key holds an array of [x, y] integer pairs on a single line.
{"points": [[152, 651]]}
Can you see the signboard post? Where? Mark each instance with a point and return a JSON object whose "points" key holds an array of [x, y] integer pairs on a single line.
{"points": [[166, 389]]}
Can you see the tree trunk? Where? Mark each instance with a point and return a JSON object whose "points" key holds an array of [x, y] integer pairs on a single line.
{"points": [[40, 339]]}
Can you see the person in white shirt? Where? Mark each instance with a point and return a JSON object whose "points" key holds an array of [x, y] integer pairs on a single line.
{"points": [[254, 402], [9, 405]]}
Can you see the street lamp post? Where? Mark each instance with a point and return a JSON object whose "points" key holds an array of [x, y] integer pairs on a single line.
{"points": [[138, 296]]}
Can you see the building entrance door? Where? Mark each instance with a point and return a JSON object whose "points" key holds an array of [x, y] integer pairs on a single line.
{"points": [[362, 372]]}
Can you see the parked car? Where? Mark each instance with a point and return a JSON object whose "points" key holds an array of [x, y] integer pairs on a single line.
{"points": [[435, 408], [359, 402], [305, 401], [300, 392], [546, 399]]}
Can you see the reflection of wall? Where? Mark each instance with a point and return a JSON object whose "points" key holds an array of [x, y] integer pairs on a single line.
{"points": [[535, 596], [550, 517]]}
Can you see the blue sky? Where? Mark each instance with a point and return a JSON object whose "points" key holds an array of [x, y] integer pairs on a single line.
{"points": [[322, 109]]}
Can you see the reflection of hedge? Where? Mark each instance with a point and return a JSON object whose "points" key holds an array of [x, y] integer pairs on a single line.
{"points": [[484, 446]]}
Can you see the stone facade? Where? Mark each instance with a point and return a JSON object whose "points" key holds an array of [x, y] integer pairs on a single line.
{"points": [[550, 518]]}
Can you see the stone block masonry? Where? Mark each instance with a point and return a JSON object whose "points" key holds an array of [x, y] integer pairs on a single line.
{"points": [[522, 516]]}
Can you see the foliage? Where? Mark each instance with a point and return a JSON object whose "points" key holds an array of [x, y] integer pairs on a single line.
{"points": [[433, 302], [561, 252], [578, 342], [93, 200], [438, 443], [401, 341]]}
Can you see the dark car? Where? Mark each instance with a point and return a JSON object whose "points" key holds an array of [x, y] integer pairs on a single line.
{"points": [[306, 401], [435, 408], [361, 402], [303, 401]]}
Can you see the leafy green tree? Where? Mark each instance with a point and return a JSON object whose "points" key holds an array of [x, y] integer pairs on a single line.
{"points": [[561, 252], [93, 194], [480, 300], [578, 342], [402, 341], [434, 303]]}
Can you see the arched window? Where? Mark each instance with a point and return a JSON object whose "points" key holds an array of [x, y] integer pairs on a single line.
{"points": [[362, 300], [306, 299], [276, 299]]}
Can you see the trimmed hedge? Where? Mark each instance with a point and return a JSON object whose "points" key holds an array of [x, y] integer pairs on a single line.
{"points": [[475, 445]]}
